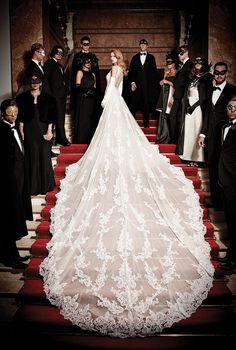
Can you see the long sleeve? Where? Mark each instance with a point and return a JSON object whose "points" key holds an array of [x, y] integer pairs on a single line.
{"points": [[108, 91]]}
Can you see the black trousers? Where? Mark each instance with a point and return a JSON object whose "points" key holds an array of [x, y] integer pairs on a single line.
{"points": [[229, 201], [139, 101]]}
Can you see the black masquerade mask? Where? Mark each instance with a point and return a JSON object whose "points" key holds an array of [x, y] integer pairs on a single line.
{"points": [[59, 52], [198, 60], [219, 72], [143, 41], [12, 110], [35, 80], [231, 108], [86, 61], [181, 52]]}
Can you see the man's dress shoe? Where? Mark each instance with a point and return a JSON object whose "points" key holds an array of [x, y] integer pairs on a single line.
{"points": [[227, 266], [53, 154], [18, 265], [222, 260], [23, 258], [66, 143], [15, 264]]}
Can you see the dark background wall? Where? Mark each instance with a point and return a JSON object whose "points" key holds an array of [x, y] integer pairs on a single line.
{"points": [[208, 26]]}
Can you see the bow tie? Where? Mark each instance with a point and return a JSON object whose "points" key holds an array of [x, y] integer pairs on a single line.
{"points": [[142, 53], [229, 123], [216, 88], [13, 127]]}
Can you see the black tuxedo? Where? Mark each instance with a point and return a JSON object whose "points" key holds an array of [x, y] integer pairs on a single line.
{"points": [[227, 181], [58, 88], [145, 78], [214, 117], [180, 83], [14, 192]]}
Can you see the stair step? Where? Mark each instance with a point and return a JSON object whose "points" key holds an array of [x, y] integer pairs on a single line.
{"points": [[38, 200], [32, 270], [152, 130], [43, 229], [32, 225], [152, 122], [38, 249], [32, 291], [45, 213], [81, 148], [189, 172], [46, 318]]}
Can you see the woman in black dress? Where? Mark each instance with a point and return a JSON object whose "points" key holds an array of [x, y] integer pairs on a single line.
{"points": [[37, 111], [86, 102], [165, 99]]}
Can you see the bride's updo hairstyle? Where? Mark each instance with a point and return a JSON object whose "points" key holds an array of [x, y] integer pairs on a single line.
{"points": [[120, 60]]}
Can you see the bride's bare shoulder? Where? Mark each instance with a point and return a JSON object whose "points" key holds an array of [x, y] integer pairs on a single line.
{"points": [[114, 70]]}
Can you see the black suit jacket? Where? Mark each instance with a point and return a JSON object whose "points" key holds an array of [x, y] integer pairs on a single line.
{"points": [[145, 76], [55, 77], [227, 161], [215, 116], [14, 186], [31, 69], [181, 80]]}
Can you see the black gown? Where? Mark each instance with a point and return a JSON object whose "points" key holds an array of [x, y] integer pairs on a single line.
{"points": [[36, 118], [163, 134], [37, 152], [85, 117]]}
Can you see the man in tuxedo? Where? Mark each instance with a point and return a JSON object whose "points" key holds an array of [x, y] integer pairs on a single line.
{"points": [[58, 88], [14, 187], [35, 66], [215, 115], [180, 83], [227, 182], [144, 82]]}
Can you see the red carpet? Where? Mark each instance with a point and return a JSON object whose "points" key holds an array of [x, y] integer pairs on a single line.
{"points": [[212, 322]]}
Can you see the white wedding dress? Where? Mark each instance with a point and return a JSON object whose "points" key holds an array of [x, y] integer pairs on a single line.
{"points": [[127, 256]]}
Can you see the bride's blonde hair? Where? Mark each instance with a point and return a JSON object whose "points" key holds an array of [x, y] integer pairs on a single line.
{"points": [[120, 60]]}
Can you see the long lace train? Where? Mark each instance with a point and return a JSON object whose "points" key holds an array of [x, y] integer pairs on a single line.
{"points": [[128, 256]]}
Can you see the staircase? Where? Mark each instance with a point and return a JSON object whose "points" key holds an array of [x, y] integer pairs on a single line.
{"points": [[38, 320]]}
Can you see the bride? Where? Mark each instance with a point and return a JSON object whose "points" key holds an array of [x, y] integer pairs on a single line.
{"points": [[127, 256]]}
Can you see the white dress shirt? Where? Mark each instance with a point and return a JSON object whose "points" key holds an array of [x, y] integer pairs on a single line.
{"points": [[216, 93], [143, 56], [226, 130], [15, 134]]}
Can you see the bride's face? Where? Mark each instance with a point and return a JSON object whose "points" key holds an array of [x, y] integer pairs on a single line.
{"points": [[113, 58]]}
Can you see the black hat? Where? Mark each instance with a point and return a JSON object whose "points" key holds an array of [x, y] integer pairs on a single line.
{"points": [[170, 58], [143, 41], [86, 58]]}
